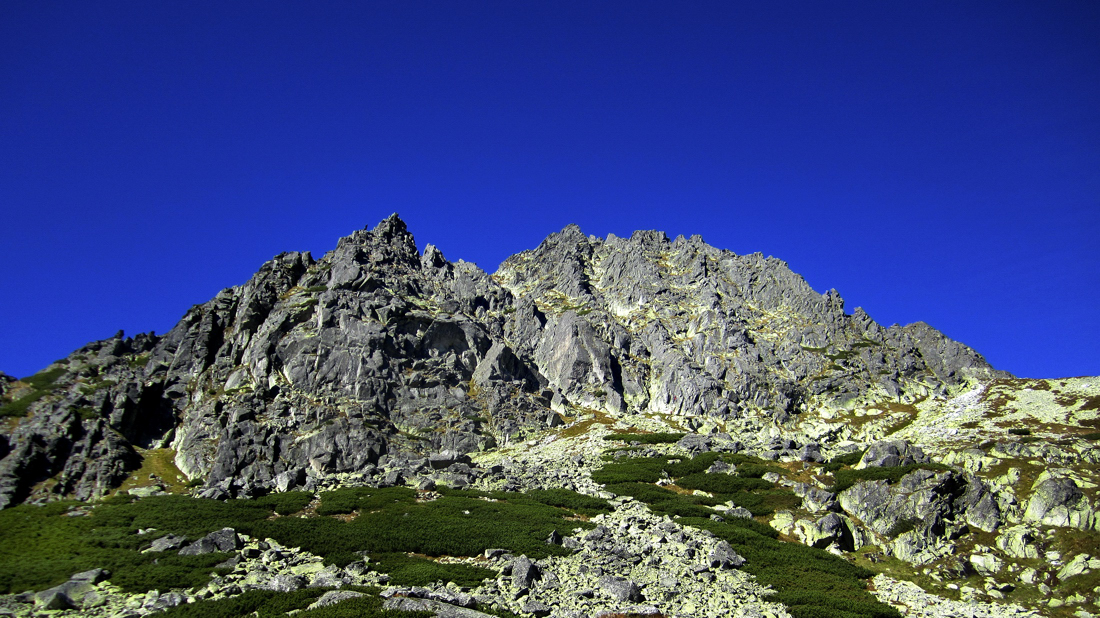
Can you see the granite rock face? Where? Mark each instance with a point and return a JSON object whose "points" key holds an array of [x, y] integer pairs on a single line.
{"points": [[378, 352]]}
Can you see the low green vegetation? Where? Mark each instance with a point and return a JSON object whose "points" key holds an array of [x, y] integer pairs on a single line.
{"points": [[267, 604], [41, 546], [812, 583], [19, 407], [636, 477], [842, 461], [846, 478], [44, 380], [646, 438], [40, 385]]}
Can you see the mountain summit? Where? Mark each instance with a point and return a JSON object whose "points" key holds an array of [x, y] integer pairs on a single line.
{"points": [[634, 426], [317, 367]]}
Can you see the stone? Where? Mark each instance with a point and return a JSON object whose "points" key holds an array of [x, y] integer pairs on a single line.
{"points": [[1018, 542], [284, 583], [986, 564], [621, 588], [524, 572], [536, 608], [891, 453], [222, 540], [723, 556], [1057, 501], [332, 597], [167, 542], [438, 608]]}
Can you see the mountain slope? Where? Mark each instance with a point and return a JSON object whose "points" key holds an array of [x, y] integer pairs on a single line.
{"points": [[324, 366], [746, 401]]}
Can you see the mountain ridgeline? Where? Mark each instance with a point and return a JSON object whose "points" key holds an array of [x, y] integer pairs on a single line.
{"points": [[376, 351]]}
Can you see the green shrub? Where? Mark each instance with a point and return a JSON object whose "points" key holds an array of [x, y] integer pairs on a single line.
{"points": [[259, 603], [646, 438], [349, 499], [41, 547], [405, 570], [841, 461], [286, 503], [565, 499], [19, 407], [812, 583], [752, 470], [721, 483], [43, 380], [846, 478]]}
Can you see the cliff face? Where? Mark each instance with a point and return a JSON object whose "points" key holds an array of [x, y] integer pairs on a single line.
{"points": [[376, 351]]}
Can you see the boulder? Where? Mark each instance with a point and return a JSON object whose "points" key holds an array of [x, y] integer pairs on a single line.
{"points": [[332, 597], [891, 453], [524, 572], [1019, 542], [1057, 501], [167, 542], [723, 556], [222, 540], [621, 588]]}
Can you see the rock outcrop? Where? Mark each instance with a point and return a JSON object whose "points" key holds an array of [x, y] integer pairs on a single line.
{"points": [[377, 351]]}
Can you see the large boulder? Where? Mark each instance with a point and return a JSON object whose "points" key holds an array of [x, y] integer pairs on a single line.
{"points": [[1057, 501], [891, 453]]}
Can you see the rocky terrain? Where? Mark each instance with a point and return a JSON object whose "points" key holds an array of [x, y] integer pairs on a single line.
{"points": [[965, 491]]}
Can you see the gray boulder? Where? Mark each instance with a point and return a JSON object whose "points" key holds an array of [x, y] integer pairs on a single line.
{"points": [[723, 556], [892, 453], [222, 540], [332, 597], [1057, 501], [167, 542], [524, 572], [438, 608], [621, 588]]}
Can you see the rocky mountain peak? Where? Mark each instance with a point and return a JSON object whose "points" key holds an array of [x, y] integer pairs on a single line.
{"points": [[321, 367]]}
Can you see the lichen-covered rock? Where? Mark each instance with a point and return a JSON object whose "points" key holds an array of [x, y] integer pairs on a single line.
{"points": [[891, 453], [316, 368], [1057, 501]]}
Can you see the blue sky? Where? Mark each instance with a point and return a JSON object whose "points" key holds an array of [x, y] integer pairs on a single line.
{"points": [[935, 161]]}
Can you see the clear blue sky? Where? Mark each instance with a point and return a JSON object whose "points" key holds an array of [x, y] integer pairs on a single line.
{"points": [[935, 161]]}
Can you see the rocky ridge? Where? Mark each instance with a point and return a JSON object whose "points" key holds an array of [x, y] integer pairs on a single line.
{"points": [[379, 365]]}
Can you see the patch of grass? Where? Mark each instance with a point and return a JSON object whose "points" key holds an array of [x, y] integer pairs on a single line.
{"points": [[162, 464], [846, 478], [812, 583], [44, 380], [843, 461], [646, 438], [19, 407], [40, 385], [259, 603], [635, 477], [405, 570], [40, 546]]}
